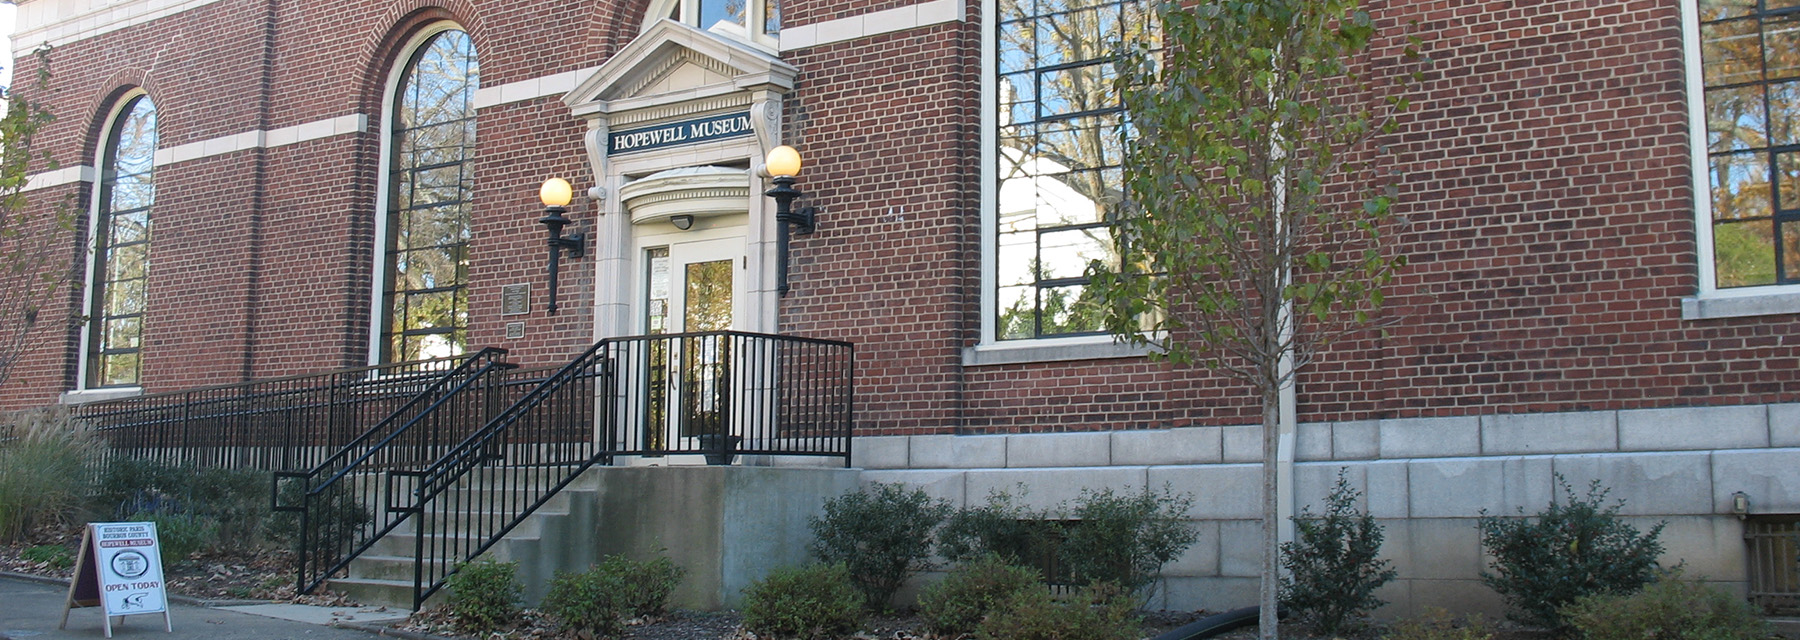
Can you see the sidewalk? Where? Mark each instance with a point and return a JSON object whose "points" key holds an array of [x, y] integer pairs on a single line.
{"points": [[30, 610]]}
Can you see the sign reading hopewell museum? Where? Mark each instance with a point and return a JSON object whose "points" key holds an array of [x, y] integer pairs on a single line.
{"points": [[120, 571], [673, 134]]}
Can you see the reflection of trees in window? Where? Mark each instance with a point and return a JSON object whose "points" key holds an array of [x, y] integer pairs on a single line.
{"points": [[732, 15], [122, 248], [1751, 66], [426, 297], [1061, 138]]}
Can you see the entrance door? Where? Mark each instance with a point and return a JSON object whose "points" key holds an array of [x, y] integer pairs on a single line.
{"points": [[692, 289]]}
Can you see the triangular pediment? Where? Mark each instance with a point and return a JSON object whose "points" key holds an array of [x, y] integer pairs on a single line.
{"points": [[680, 62]]}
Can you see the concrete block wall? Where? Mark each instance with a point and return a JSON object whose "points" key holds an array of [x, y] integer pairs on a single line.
{"points": [[1426, 479]]}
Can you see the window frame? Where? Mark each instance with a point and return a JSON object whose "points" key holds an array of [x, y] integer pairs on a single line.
{"points": [[754, 10], [1711, 299], [98, 244], [382, 269], [990, 349]]}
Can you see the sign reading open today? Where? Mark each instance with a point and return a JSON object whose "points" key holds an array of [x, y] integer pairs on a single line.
{"points": [[120, 571]]}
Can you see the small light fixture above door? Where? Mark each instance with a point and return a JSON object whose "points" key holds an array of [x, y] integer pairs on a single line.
{"points": [[682, 222]]}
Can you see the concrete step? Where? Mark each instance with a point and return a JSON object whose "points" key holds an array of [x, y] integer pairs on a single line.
{"points": [[374, 592]]}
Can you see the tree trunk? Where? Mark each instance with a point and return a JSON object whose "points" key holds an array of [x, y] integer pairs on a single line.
{"points": [[1271, 517]]}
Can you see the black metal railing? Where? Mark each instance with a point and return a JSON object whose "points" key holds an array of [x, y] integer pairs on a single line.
{"points": [[333, 503], [665, 395], [274, 424]]}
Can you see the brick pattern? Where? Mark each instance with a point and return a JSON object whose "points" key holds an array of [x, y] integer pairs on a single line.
{"points": [[1543, 172]]}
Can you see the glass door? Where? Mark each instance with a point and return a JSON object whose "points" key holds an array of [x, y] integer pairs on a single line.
{"points": [[691, 288]]}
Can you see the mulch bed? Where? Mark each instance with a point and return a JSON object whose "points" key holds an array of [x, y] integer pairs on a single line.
{"points": [[252, 573]]}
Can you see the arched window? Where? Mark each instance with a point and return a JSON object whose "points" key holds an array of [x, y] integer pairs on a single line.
{"points": [[424, 300], [121, 223], [757, 20]]}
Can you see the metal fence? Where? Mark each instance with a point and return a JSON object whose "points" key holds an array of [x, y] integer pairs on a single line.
{"points": [[275, 424], [684, 394]]}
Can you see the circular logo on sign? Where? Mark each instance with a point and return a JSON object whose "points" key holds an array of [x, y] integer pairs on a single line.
{"points": [[130, 564]]}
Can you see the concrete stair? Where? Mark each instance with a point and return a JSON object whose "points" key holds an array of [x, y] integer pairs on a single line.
{"points": [[383, 575]]}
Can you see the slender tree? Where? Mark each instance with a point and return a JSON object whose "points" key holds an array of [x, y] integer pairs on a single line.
{"points": [[1254, 233], [34, 237]]}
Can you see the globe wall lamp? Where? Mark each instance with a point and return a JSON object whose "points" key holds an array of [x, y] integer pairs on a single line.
{"points": [[555, 195], [783, 164]]}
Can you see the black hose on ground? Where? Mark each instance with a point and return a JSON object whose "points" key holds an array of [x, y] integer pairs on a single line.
{"points": [[1210, 626]]}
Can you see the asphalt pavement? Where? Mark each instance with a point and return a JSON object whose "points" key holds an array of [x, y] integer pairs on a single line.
{"points": [[31, 610]]}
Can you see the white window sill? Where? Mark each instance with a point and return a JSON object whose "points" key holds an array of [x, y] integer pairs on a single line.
{"points": [[84, 396], [1051, 350], [1740, 306]]}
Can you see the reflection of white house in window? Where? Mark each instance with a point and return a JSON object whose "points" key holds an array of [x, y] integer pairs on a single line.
{"points": [[1059, 139]]}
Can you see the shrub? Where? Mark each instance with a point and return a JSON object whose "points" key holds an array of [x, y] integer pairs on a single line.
{"points": [[1668, 609], [484, 595], [336, 516], [956, 604], [1097, 612], [1001, 526], [44, 477], [1125, 539], [650, 582], [1569, 550], [592, 601], [1436, 624], [811, 603], [54, 555], [881, 533], [222, 504], [1333, 569], [179, 534]]}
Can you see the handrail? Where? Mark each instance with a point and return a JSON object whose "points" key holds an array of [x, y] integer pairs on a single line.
{"points": [[334, 524], [764, 394]]}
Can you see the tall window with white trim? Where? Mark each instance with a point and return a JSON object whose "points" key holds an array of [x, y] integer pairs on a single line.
{"points": [[121, 268], [425, 302], [1060, 136], [1750, 65]]}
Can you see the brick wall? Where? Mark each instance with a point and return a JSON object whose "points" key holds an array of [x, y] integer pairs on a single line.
{"points": [[1543, 172]]}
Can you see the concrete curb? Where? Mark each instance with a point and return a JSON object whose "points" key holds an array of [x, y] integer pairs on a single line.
{"points": [[390, 632], [173, 597]]}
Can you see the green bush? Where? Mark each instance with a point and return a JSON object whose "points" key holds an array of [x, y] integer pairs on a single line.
{"points": [[1333, 565], [592, 601], [818, 602], [1000, 526], [223, 504], [55, 555], [650, 582], [484, 595], [881, 533], [598, 600], [1097, 612], [1437, 624], [1125, 539], [1576, 548], [44, 477], [181, 535], [336, 516], [956, 604], [1668, 609]]}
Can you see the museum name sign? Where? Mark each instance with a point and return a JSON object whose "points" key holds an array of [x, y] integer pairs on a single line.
{"points": [[674, 134]]}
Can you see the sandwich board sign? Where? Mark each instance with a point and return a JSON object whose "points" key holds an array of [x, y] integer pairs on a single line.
{"points": [[119, 570]]}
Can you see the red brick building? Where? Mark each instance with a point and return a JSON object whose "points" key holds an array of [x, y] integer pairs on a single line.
{"points": [[1595, 194]]}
